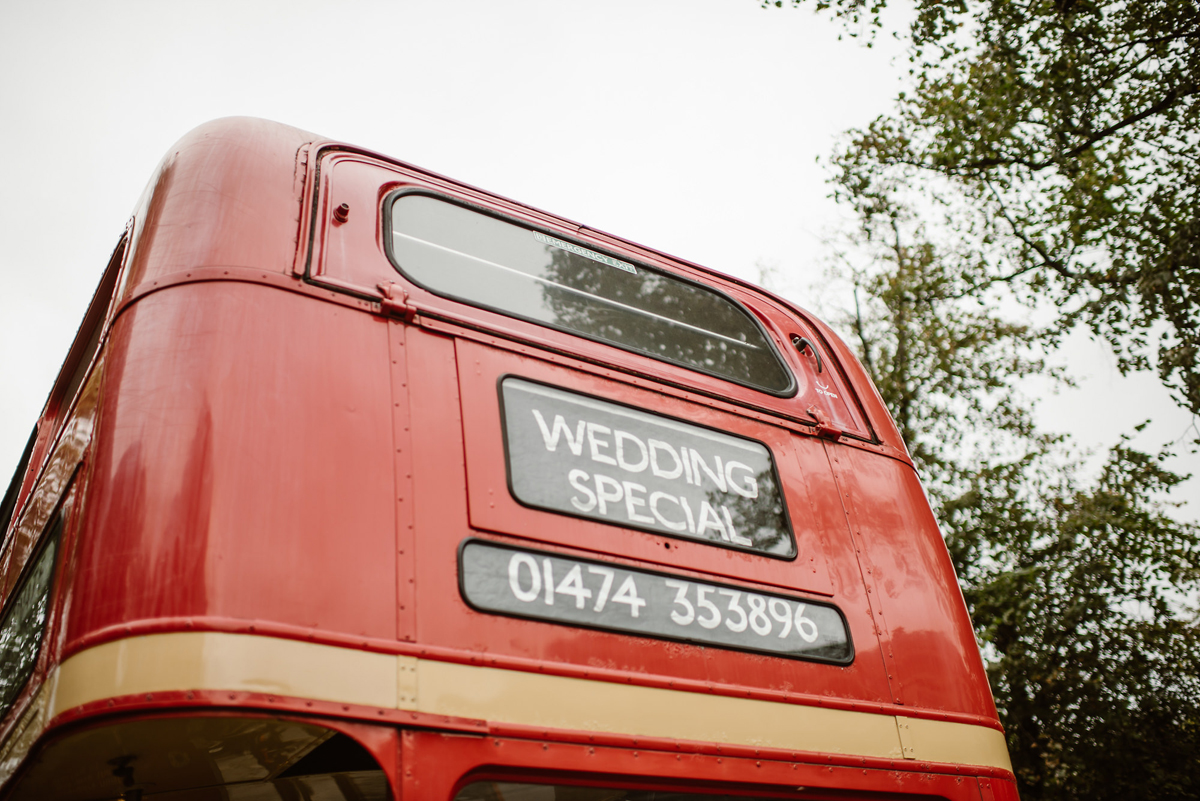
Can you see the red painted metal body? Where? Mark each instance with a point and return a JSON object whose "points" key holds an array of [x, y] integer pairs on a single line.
{"points": [[278, 446]]}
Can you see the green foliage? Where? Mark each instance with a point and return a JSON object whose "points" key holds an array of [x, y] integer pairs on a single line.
{"points": [[1083, 592], [1047, 153], [1069, 132], [944, 360], [1079, 594]]}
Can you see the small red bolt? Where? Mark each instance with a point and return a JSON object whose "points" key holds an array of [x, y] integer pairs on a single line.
{"points": [[342, 213]]}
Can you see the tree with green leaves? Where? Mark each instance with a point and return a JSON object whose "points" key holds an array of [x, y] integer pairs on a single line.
{"points": [[1080, 595], [1082, 590], [1067, 133], [1046, 152]]}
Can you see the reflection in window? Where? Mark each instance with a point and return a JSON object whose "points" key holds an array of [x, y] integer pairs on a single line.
{"points": [[25, 620], [492, 263], [510, 791]]}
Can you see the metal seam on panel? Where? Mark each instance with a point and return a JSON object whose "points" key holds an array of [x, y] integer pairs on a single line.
{"points": [[252, 663]]}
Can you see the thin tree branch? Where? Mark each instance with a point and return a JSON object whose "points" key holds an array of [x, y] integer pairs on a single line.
{"points": [[1167, 101], [860, 330], [1037, 247]]}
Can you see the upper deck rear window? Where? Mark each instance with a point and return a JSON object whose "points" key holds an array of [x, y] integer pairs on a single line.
{"points": [[488, 262]]}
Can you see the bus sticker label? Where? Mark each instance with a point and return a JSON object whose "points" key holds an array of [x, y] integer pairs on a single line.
{"points": [[523, 583], [590, 458], [585, 252]]}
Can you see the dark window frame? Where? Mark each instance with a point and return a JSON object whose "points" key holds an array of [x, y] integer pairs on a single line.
{"points": [[676, 788], [51, 537], [392, 198], [72, 375], [8, 507], [90, 335]]}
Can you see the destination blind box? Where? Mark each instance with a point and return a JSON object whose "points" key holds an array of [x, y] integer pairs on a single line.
{"points": [[591, 458]]}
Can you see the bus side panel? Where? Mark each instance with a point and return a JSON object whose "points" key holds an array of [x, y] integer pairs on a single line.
{"points": [[930, 632], [242, 466], [226, 194]]}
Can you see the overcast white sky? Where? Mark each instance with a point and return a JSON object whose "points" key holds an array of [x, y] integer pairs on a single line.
{"points": [[692, 126]]}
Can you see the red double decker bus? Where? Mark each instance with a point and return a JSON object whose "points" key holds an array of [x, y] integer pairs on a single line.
{"points": [[360, 483]]}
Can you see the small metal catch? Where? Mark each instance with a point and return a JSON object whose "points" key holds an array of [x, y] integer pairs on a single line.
{"points": [[804, 343]]}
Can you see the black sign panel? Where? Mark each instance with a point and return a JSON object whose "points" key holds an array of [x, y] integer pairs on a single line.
{"points": [[522, 583], [591, 458]]}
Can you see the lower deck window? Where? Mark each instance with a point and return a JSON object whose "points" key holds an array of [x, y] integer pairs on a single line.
{"points": [[510, 791], [25, 620]]}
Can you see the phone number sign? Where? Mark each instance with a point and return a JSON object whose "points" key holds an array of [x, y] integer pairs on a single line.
{"points": [[534, 584], [590, 458]]}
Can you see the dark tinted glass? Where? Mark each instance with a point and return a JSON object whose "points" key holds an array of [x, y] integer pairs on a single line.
{"points": [[8, 506], [513, 791], [488, 262], [25, 620]]}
